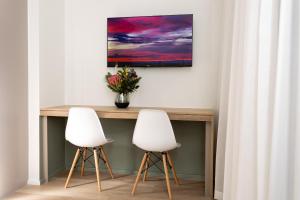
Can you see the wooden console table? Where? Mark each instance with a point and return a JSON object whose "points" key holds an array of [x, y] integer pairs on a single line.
{"points": [[183, 114]]}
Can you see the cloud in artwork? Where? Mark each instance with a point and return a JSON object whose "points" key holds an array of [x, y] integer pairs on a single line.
{"points": [[150, 38]]}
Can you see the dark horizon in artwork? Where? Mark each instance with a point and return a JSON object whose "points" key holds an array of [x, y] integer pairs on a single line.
{"points": [[154, 41]]}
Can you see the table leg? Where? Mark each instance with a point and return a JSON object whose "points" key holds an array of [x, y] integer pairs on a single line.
{"points": [[209, 159], [45, 148]]}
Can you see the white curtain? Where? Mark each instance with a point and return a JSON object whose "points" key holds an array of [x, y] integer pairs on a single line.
{"points": [[258, 148]]}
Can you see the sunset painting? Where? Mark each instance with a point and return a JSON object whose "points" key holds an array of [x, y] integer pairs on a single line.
{"points": [[154, 41]]}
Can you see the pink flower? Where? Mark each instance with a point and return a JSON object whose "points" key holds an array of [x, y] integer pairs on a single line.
{"points": [[114, 80]]}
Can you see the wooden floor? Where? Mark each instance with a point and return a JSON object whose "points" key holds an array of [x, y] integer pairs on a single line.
{"points": [[116, 189]]}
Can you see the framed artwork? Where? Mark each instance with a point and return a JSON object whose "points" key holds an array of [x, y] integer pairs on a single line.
{"points": [[150, 41]]}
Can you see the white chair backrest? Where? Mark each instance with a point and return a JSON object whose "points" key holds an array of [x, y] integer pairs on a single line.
{"points": [[84, 128], [153, 131]]}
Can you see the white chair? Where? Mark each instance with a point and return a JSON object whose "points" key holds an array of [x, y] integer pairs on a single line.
{"points": [[154, 133], [85, 131]]}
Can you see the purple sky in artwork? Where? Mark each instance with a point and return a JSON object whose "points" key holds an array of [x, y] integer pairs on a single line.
{"points": [[150, 39]]}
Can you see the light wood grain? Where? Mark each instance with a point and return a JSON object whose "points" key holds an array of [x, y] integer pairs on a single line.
{"points": [[139, 173], [173, 168], [146, 167], [97, 169], [73, 167], [105, 157], [182, 114], [209, 159], [167, 175], [119, 188], [45, 148], [186, 114], [83, 160]]}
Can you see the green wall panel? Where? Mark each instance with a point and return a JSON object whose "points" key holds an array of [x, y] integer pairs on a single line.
{"points": [[125, 157]]}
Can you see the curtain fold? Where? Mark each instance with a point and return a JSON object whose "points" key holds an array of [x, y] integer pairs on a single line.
{"points": [[258, 136]]}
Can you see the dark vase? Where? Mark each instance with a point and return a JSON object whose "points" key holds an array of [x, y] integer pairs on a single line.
{"points": [[122, 100]]}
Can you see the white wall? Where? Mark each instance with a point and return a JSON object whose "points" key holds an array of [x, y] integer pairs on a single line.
{"points": [[33, 93], [85, 54], [51, 52], [13, 95], [68, 58], [45, 71]]}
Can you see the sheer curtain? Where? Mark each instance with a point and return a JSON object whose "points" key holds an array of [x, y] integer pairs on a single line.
{"points": [[258, 150]]}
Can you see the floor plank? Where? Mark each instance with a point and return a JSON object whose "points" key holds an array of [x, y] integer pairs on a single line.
{"points": [[85, 188]]}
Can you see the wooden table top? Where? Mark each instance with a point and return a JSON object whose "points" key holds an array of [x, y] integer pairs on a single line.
{"points": [[184, 114]]}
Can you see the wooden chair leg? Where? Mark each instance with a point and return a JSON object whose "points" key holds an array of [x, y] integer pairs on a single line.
{"points": [[167, 175], [106, 161], [97, 169], [73, 166], [139, 174], [83, 161], [173, 168], [146, 167]]}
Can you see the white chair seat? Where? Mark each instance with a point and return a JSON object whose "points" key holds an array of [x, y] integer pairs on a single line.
{"points": [[90, 144], [84, 128], [159, 148], [153, 132]]}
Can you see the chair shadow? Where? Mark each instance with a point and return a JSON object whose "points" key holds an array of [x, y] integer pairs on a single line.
{"points": [[104, 179]]}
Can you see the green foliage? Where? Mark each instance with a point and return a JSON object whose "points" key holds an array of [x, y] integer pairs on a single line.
{"points": [[124, 81]]}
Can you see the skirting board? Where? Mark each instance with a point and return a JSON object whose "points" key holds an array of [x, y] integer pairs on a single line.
{"points": [[42, 180], [35, 182], [218, 195]]}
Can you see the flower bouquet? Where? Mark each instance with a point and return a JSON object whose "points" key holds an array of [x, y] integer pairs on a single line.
{"points": [[124, 82]]}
